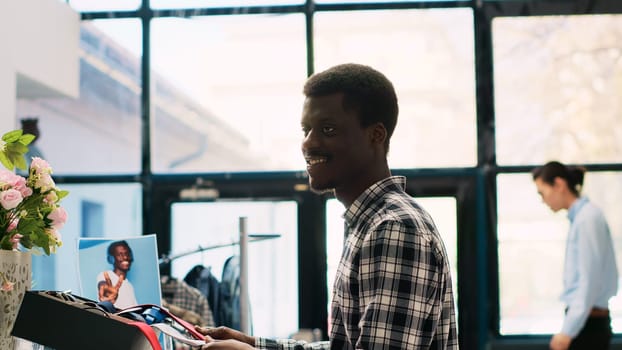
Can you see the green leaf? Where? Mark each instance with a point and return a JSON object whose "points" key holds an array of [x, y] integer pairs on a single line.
{"points": [[31, 227], [5, 243], [16, 148], [13, 157], [12, 136], [15, 154], [26, 139], [12, 153], [5, 161], [42, 240], [20, 163], [61, 194], [26, 242]]}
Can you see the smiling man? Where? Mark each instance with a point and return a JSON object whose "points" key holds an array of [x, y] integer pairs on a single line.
{"points": [[393, 285], [113, 286]]}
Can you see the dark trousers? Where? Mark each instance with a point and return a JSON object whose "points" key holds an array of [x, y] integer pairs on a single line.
{"points": [[595, 335]]}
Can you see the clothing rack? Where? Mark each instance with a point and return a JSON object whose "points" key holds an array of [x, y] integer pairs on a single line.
{"points": [[244, 239]]}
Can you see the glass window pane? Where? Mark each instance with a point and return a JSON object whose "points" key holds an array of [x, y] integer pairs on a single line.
{"points": [[177, 4], [273, 267], [118, 214], [531, 249], [442, 210], [557, 89], [429, 57], [105, 119], [228, 93], [104, 5]]}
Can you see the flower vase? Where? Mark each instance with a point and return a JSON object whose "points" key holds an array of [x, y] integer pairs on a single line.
{"points": [[15, 279]]}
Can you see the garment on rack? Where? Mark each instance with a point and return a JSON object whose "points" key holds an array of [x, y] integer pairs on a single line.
{"points": [[230, 293], [225, 295], [185, 314], [203, 279], [179, 293]]}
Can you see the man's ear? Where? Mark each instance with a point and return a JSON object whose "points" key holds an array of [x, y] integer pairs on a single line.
{"points": [[377, 133]]}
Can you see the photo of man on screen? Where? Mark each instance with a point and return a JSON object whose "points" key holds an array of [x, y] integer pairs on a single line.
{"points": [[123, 270], [113, 285]]}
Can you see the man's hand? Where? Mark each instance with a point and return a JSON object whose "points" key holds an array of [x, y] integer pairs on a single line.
{"points": [[107, 291], [560, 341], [224, 333]]}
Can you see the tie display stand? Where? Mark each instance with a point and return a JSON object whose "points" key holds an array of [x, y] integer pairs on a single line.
{"points": [[61, 320], [65, 321]]}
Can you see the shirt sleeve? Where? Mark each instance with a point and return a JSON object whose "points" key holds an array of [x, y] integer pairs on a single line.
{"points": [[289, 344], [590, 238], [402, 288], [100, 277]]}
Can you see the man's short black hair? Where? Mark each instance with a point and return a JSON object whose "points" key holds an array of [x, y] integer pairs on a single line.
{"points": [[364, 89]]}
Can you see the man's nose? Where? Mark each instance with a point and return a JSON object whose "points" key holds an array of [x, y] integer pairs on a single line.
{"points": [[309, 141]]}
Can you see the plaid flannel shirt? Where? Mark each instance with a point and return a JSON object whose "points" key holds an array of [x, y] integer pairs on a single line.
{"points": [[393, 285]]}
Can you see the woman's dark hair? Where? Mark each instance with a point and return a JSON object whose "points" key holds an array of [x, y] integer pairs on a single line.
{"points": [[364, 89], [573, 175]]}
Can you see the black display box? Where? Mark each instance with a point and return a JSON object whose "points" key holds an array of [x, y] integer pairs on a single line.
{"points": [[48, 319]]}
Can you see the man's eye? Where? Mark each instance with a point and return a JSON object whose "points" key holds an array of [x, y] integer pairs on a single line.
{"points": [[328, 129], [305, 131]]}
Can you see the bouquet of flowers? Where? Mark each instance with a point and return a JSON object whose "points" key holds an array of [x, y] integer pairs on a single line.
{"points": [[30, 211]]}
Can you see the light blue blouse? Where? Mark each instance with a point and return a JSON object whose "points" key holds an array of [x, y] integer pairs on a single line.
{"points": [[590, 272]]}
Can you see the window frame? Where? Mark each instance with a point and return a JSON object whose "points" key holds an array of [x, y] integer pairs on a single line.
{"points": [[474, 188]]}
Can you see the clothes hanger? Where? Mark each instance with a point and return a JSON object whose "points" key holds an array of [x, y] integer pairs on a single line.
{"points": [[166, 259]]}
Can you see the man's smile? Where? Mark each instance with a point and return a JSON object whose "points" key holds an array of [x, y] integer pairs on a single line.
{"points": [[315, 160]]}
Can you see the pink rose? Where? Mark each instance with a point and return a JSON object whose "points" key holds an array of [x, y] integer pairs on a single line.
{"points": [[40, 166], [51, 198], [26, 191], [10, 198], [19, 183], [9, 179], [58, 217], [44, 182], [6, 178]]}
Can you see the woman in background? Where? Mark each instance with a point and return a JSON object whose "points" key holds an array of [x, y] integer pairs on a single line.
{"points": [[590, 274]]}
